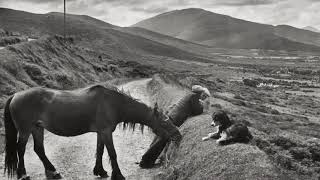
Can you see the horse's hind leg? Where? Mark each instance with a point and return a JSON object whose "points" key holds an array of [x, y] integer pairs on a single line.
{"points": [[50, 170], [98, 168], [21, 171]]}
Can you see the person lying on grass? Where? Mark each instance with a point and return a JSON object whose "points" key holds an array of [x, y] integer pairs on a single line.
{"points": [[190, 105], [228, 132]]}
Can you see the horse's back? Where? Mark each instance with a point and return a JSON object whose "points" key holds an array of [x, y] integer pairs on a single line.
{"points": [[57, 110]]}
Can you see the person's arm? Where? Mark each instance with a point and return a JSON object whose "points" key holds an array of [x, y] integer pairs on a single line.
{"points": [[196, 105]]}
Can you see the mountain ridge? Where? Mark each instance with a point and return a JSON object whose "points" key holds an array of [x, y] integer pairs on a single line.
{"points": [[310, 28], [217, 30]]}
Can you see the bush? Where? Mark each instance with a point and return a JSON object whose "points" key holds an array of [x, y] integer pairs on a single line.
{"points": [[64, 81], [35, 73], [250, 82], [283, 142], [237, 96], [300, 153], [262, 109], [284, 160], [274, 111], [315, 152]]}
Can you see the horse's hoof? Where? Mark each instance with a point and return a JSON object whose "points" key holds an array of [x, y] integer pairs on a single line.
{"points": [[53, 175], [117, 177], [100, 172], [24, 177]]}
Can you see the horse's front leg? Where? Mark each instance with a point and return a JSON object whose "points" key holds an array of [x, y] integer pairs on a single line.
{"points": [[98, 168], [108, 141]]}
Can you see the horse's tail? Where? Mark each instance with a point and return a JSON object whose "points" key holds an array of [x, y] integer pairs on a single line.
{"points": [[11, 159]]}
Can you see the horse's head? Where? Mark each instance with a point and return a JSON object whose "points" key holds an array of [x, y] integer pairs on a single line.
{"points": [[163, 127]]}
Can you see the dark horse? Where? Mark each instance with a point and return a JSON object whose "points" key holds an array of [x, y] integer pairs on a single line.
{"points": [[71, 113]]}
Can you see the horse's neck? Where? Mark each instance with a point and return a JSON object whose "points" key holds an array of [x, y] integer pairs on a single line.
{"points": [[137, 113]]}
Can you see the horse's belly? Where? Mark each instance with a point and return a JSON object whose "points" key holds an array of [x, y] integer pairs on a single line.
{"points": [[70, 124], [67, 131]]}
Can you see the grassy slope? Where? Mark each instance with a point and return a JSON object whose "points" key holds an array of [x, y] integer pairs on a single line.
{"points": [[169, 40], [205, 160], [290, 141], [55, 63]]}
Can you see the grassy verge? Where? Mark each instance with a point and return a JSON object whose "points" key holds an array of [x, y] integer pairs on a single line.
{"points": [[288, 143]]}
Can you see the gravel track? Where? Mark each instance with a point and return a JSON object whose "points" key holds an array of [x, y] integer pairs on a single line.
{"points": [[74, 157]]}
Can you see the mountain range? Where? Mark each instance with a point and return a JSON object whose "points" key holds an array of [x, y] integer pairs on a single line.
{"points": [[119, 43], [186, 34], [208, 28]]}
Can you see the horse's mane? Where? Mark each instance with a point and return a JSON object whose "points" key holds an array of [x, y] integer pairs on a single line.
{"points": [[125, 125], [111, 87]]}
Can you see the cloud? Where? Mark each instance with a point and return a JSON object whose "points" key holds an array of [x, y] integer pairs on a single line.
{"points": [[245, 2], [151, 9], [298, 13]]}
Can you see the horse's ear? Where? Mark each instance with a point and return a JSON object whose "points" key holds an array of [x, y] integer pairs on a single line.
{"points": [[156, 109]]}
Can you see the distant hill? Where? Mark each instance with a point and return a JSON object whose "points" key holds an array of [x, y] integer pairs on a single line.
{"points": [[298, 35], [92, 33], [310, 28], [168, 40], [204, 27], [50, 23]]}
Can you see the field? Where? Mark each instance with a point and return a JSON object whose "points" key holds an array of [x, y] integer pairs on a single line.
{"points": [[277, 97]]}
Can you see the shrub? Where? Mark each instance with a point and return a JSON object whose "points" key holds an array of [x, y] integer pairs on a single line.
{"points": [[300, 153], [315, 152], [284, 160], [35, 73], [274, 111], [237, 96], [283, 142]]}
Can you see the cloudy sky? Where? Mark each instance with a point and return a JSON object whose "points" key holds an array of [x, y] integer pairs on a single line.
{"points": [[299, 13]]}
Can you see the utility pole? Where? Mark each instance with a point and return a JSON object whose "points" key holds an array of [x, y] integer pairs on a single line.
{"points": [[64, 19]]}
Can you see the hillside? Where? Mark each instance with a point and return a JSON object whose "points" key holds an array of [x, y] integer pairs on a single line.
{"points": [[204, 27], [310, 28], [168, 40], [298, 35], [285, 145], [47, 62], [36, 25], [92, 33], [55, 63]]}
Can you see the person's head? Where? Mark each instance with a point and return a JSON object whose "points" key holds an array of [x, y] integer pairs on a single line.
{"points": [[220, 118], [204, 92]]}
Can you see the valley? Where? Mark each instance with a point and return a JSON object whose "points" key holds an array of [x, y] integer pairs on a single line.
{"points": [[271, 84]]}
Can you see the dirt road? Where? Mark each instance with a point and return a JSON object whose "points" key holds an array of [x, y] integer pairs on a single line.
{"points": [[74, 157]]}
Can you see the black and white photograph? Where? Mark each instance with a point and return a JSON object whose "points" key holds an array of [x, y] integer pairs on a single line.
{"points": [[160, 90]]}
